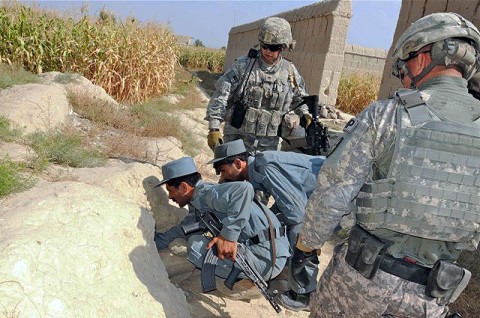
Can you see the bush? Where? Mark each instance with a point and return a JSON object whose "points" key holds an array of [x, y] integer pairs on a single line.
{"points": [[61, 147], [15, 75], [357, 91], [7, 133], [13, 177]]}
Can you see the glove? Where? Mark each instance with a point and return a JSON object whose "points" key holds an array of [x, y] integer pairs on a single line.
{"points": [[306, 120], [302, 247], [292, 120], [214, 138]]}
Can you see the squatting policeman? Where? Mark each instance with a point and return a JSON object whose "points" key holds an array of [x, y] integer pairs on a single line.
{"points": [[243, 220], [290, 179]]}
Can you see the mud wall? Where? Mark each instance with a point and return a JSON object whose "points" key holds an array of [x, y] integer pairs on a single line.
{"points": [[320, 31], [413, 10]]}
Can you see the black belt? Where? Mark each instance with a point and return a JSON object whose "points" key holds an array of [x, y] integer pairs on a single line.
{"points": [[404, 269], [265, 235]]}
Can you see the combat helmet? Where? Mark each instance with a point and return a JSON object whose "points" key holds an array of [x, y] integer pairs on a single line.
{"points": [[276, 31], [455, 41]]}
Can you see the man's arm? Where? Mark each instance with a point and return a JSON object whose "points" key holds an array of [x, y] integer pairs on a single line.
{"points": [[344, 172], [226, 85], [163, 239], [232, 205]]}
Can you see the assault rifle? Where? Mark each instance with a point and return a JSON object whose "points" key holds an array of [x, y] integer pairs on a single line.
{"points": [[208, 222], [317, 137], [316, 134]]}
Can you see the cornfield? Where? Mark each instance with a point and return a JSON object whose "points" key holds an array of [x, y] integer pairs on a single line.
{"points": [[202, 58], [130, 60], [357, 91]]}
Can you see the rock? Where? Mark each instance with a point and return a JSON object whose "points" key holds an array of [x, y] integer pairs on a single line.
{"points": [[76, 83], [71, 249], [35, 106]]}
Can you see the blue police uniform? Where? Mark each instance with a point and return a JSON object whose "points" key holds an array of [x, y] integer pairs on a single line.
{"points": [[243, 221]]}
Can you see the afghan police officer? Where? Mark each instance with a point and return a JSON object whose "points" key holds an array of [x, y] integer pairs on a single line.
{"points": [[243, 221], [258, 93], [408, 168], [290, 178]]}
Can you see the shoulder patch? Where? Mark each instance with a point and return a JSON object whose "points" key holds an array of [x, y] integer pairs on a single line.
{"points": [[350, 126]]}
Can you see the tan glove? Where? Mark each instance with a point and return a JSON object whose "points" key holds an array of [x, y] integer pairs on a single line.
{"points": [[308, 119], [214, 138]]}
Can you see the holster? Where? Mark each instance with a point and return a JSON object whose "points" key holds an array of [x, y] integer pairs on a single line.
{"points": [[365, 252], [446, 281]]}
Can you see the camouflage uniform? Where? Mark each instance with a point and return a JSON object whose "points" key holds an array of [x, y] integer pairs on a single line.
{"points": [[365, 155], [268, 90], [282, 88]]}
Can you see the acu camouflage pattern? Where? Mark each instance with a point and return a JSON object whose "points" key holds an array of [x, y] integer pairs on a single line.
{"points": [[433, 28], [270, 92], [343, 292], [431, 190], [364, 155], [275, 31]]}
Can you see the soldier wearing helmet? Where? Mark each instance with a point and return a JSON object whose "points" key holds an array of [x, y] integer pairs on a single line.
{"points": [[408, 171], [258, 93]]}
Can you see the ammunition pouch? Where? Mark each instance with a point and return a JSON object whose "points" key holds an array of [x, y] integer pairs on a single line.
{"points": [[365, 252], [446, 281]]}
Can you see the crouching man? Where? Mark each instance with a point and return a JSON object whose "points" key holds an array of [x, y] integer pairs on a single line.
{"points": [[242, 219]]}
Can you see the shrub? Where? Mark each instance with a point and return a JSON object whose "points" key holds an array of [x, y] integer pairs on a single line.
{"points": [[7, 133], [357, 91], [15, 75], [62, 147], [13, 177]]}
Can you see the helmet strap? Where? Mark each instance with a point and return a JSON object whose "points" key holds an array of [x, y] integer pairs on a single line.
{"points": [[414, 79]]}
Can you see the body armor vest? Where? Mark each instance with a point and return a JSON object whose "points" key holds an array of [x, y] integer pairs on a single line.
{"points": [[432, 187], [267, 96]]}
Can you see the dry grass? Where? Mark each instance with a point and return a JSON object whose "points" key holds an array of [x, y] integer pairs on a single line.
{"points": [[357, 91]]}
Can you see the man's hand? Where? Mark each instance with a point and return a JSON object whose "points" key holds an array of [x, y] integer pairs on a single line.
{"points": [[214, 138], [226, 249]]}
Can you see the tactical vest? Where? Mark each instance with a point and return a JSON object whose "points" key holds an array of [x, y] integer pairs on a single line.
{"points": [[432, 187], [268, 97]]}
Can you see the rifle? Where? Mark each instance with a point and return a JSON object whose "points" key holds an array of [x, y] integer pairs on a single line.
{"points": [[208, 222], [316, 134]]}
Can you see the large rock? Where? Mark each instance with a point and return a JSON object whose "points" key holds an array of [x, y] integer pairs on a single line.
{"points": [[35, 106], [76, 83], [72, 249]]}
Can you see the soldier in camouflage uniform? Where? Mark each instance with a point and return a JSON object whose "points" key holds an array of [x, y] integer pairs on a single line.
{"points": [[266, 86], [408, 169]]}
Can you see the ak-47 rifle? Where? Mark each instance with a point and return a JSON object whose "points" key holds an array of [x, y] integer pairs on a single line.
{"points": [[209, 222]]}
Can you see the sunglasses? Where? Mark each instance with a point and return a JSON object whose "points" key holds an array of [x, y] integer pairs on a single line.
{"points": [[272, 47]]}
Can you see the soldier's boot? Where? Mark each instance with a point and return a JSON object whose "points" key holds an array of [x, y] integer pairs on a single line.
{"points": [[293, 301]]}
